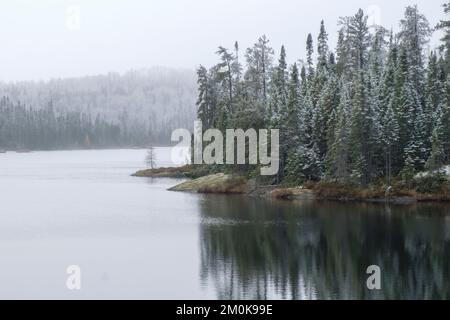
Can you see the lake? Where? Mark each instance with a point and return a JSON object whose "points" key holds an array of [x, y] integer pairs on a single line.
{"points": [[133, 239]]}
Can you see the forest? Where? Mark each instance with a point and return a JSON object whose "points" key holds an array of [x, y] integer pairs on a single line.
{"points": [[377, 107], [135, 109]]}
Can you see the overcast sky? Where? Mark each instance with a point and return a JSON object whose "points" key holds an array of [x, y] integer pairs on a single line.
{"points": [[51, 39]]}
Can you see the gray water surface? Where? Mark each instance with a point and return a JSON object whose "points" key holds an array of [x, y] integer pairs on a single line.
{"points": [[134, 239]]}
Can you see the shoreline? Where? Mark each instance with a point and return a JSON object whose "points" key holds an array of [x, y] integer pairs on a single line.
{"points": [[79, 149], [221, 183]]}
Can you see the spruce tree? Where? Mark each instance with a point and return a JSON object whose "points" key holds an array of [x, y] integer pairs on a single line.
{"points": [[322, 46], [338, 156], [444, 25]]}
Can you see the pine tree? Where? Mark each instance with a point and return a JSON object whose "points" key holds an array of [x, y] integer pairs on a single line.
{"points": [[438, 156], [306, 124], [433, 95], [289, 115], [371, 109], [206, 102], [225, 76], [303, 164], [279, 91], [390, 112], [376, 61], [236, 65], [338, 156], [416, 149], [358, 39], [413, 120], [309, 56], [292, 108], [259, 61], [341, 53], [322, 46], [323, 123], [389, 138], [361, 126], [445, 26], [414, 35]]}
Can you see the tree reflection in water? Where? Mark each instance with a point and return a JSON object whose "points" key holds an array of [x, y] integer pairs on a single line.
{"points": [[255, 249]]}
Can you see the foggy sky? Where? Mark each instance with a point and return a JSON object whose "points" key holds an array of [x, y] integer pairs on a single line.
{"points": [[43, 39]]}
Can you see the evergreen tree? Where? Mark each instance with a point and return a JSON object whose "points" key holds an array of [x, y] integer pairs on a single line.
{"points": [[445, 26], [414, 35], [206, 102], [389, 139], [338, 156], [341, 52], [358, 39], [361, 130], [309, 56], [438, 156], [322, 46], [372, 109], [279, 91], [291, 113], [224, 72], [259, 62]]}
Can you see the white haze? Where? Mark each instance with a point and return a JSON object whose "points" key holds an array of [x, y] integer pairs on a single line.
{"points": [[42, 39]]}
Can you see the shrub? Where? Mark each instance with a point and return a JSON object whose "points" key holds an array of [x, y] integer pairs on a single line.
{"points": [[302, 165], [431, 183]]}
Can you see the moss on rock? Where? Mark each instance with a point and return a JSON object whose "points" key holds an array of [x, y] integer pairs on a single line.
{"points": [[215, 183]]}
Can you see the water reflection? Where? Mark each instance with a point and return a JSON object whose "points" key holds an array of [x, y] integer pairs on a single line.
{"points": [[253, 249]]}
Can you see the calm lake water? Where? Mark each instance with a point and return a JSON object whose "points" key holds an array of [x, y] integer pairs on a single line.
{"points": [[134, 239]]}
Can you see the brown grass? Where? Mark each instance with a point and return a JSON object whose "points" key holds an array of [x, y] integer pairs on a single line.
{"points": [[341, 191]]}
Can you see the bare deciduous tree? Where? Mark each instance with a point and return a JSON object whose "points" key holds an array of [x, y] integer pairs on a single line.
{"points": [[150, 159]]}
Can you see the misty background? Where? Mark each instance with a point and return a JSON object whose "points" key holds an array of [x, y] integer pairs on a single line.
{"points": [[53, 38], [122, 73]]}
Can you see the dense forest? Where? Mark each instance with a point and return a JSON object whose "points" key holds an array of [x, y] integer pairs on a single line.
{"points": [[25, 128], [376, 107], [137, 108]]}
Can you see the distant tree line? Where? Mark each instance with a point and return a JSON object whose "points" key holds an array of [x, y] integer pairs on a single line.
{"points": [[136, 108], [375, 107], [22, 127]]}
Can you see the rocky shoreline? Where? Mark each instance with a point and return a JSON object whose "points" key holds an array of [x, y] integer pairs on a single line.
{"points": [[221, 183], [172, 172]]}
